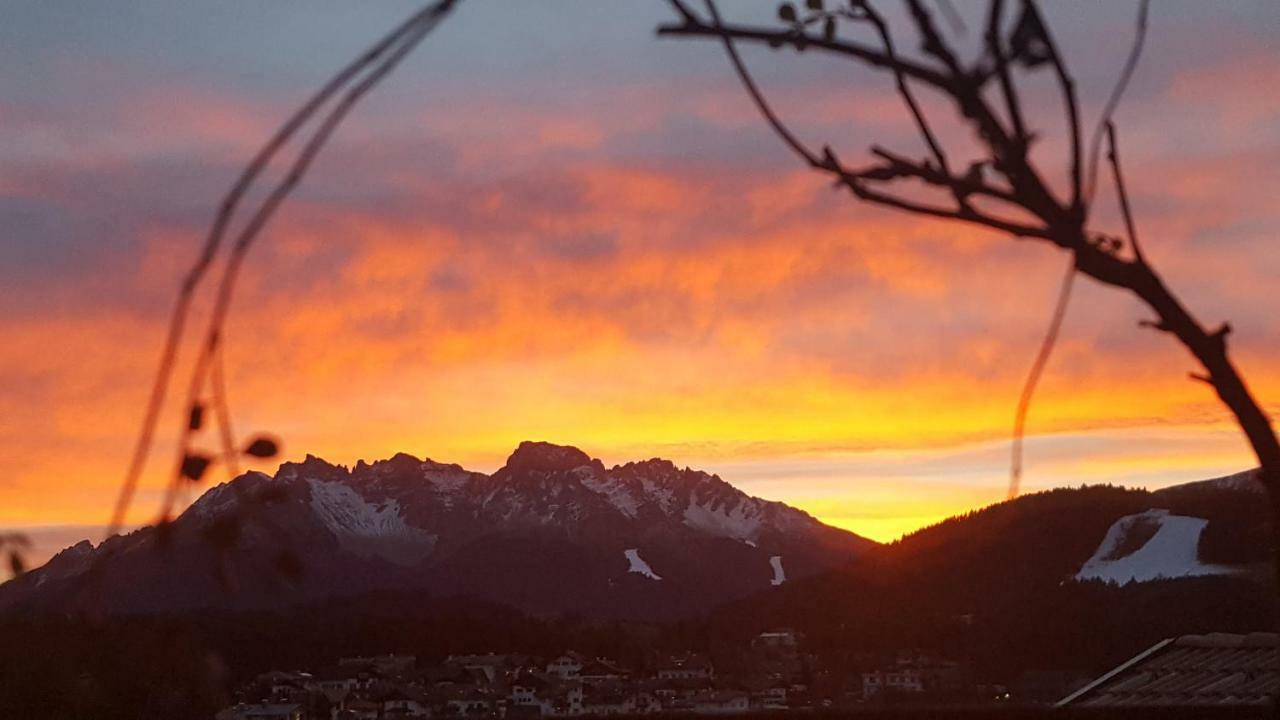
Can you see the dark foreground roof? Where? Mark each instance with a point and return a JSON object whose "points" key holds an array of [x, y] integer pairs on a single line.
{"points": [[1192, 670]]}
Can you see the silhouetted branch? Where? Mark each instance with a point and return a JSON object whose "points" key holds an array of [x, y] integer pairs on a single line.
{"points": [[747, 82], [1037, 370], [965, 185], [1094, 253], [395, 45], [1072, 104], [249, 234], [995, 46], [882, 28], [15, 546], [230, 457], [1117, 92], [1114, 158], [693, 26]]}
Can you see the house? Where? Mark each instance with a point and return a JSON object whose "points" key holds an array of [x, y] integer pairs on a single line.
{"points": [[1192, 670], [784, 638], [495, 668], [599, 702], [722, 702], [898, 680], [526, 689], [771, 698], [464, 700], [567, 666], [262, 711], [679, 695], [602, 671], [775, 656], [545, 696], [913, 673], [470, 705], [400, 703], [619, 700]]}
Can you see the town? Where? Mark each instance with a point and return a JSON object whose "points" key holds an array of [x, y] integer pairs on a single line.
{"points": [[775, 676]]}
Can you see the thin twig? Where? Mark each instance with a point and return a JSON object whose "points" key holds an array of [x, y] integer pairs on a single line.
{"points": [[996, 46], [222, 406], [1072, 104], [747, 82], [904, 90], [778, 38], [934, 43], [903, 167], [1037, 370], [1117, 92], [266, 210], [213, 241], [1113, 156]]}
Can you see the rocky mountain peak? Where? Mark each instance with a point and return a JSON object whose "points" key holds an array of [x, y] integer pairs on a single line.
{"points": [[313, 467], [547, 457]]}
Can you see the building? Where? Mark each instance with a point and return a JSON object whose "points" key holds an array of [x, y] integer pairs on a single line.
{"points": [[495, 668], [785, 638], [1218, 669], [722, 702], [538, 695], [913, 673], [566, 667], [602, 671], [897, 681]]}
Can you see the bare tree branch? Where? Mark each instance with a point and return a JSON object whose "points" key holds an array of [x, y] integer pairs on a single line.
{"points": [[1037, 370], [1095, 254], [905, 91], [692, 26], [995, 46], [410, 28], [1113, 157], [1069, 99]]}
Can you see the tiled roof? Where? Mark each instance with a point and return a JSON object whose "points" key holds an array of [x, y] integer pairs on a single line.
{"points": [[1192, 670]]}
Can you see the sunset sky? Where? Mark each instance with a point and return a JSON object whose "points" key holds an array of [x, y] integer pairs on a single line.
{"points": [[550, 224]]}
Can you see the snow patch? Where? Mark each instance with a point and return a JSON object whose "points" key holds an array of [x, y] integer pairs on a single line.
{"points": [[611, 489], [213, 502], [447, 481], [663, 496], [751, 543], [1171, 553], [779, 575], [638, 565], [367, 529], [448, 484], [741, 522]]}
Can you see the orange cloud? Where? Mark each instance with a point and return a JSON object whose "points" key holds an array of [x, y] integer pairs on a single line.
{"points": [[437, 294]]}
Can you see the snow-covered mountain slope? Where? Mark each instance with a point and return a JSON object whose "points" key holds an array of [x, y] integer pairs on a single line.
{"points": [[553, 531], [1152, 545]]}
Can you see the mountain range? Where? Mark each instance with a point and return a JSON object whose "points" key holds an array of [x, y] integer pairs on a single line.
{"points": [[556, 534], [553, 532]]}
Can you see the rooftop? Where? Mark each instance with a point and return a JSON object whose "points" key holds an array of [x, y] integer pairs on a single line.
{"points": [[1191, 671]]}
